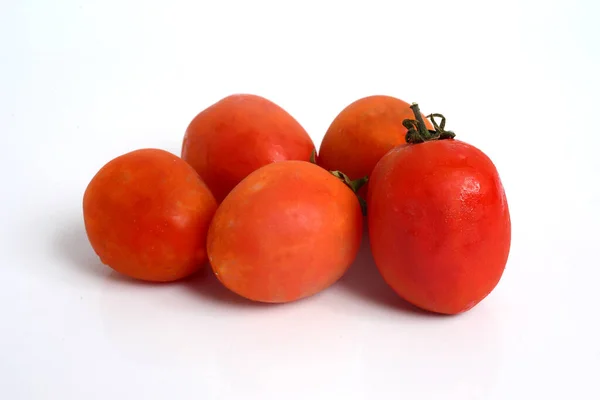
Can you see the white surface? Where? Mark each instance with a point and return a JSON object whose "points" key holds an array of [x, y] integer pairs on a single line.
{"points": [[82, 82]]}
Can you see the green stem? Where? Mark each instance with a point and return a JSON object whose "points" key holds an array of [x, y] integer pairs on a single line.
{"points": [[354, 185], [417, 130], [420, 123], [439, 129]]}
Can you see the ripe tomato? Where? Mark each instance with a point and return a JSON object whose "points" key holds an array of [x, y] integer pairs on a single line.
{"points": [[439, 222], [287, 231], [362, 133], [239, 134], [147, 214]]}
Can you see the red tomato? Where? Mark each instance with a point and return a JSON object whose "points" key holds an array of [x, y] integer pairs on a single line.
{"points": [[287, 231], [238, 135], [362, 133], [439, 222], [147, 214]]}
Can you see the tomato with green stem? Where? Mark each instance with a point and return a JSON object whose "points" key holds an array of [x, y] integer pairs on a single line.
{"points": [[439, 222]]}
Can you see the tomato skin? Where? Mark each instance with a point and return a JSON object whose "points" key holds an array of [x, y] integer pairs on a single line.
{"points": [[146, 215], [239, 134], [439, 224], [362, 133], [287, 231]]}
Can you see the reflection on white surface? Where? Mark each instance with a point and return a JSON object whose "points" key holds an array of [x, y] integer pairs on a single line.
{"points": [[332, 340], [123, 338], [186, 326]]}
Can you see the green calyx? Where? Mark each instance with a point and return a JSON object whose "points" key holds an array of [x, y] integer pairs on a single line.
{"points": [[418, 132], [354, 185]]}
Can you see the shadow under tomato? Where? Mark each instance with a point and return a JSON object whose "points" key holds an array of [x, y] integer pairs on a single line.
{"points": [[71, 245], [202, 285], [205, 285], [364, 281]]}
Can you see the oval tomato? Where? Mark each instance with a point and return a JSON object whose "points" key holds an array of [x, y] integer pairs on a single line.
{"points": [[238, 135], [287, 231], [362, 133], [439, 223], [147, 214]]}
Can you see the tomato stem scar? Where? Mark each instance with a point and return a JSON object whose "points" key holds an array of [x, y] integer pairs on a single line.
{"points": [[354, 185], [313, 156], [418, 132]]}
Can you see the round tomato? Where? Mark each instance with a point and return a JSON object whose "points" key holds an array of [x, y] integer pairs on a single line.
{"points": [[238, 135], [287, 231], [439, 223], [147, 214], [362, 133]]}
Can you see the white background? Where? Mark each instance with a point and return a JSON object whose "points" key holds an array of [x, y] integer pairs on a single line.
{"points": [[82, 82]]}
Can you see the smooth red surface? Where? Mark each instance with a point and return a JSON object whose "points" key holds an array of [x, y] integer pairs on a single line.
{"points": [[362, 133], [147, 214], [287, 231], [439, 224], [239, 134]]}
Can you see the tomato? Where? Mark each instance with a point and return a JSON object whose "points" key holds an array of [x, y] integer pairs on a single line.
{"points": [[147, 214], [239, 134], [288, 231], [362, 133], [439, 222]]}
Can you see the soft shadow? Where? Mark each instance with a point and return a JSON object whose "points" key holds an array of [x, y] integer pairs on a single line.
{"points": [[114, 277], [205, 285], [71, 245], [364, 281], [202, 284]]}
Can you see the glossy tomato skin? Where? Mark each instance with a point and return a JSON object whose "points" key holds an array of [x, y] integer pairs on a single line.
{"points": [[239, 134], [147, 214], [287, 231], [362, 133], [439, 224]]}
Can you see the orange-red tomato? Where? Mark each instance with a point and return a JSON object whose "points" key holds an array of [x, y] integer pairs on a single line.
{"points": [[287, 231], [439, 224], [238, 135], [362, 133], [147, 214]]}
